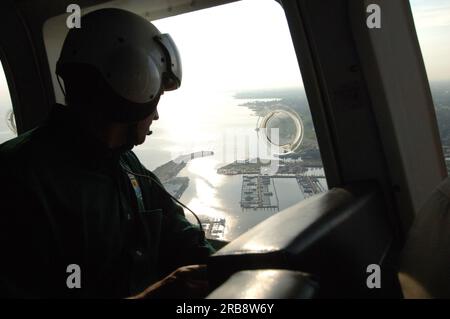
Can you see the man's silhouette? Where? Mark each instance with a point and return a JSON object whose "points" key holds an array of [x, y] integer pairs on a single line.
{"points": [[73, 191]]}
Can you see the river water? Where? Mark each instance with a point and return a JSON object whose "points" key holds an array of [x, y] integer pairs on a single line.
{"points": [[208, 123]]}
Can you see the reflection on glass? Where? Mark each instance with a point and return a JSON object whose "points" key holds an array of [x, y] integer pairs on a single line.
{"points": [[11, 121], [288, 127], [7, 121]]}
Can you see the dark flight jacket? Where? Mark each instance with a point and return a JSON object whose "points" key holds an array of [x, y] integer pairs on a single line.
{"points": [[66, 200]]}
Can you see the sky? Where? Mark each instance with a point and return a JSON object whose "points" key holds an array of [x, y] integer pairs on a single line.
{"points": [[247, 45], [432, 20], [253, 41]]}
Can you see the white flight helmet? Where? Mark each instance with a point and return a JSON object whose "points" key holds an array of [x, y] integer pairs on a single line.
{"points": [[130, 54]]}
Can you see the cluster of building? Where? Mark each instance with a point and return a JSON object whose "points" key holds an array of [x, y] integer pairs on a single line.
{"points": [[283, 166], [447, 157], [176, 186], [309, 185], [257, 192], [214, 227]]}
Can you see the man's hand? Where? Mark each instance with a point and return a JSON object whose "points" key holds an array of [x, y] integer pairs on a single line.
{"points": [[185, 282]]}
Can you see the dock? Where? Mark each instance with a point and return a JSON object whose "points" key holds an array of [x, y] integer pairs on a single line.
{"points": [[258, 192]]}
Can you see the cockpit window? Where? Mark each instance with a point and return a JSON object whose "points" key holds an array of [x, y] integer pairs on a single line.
{"points": [[236, 142], [432, 20], [7, 121]]}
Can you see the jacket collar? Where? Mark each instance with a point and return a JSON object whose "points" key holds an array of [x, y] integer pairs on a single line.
{"points": [[74, 140]]}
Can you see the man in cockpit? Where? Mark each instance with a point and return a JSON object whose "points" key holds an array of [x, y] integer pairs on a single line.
{"points": [[80, 215]]}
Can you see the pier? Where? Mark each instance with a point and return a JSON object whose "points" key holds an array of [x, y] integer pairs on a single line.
{"points": [[309, 185], [259, 191]]}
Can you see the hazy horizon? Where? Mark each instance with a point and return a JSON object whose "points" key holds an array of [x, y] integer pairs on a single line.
{"points": [[432, 20]]}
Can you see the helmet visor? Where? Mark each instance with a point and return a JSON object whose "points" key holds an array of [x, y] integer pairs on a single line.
{"points": [[173, 73]]}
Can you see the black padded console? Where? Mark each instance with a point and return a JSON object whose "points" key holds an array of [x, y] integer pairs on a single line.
{"points": [[334, 236], [267, 284]]}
